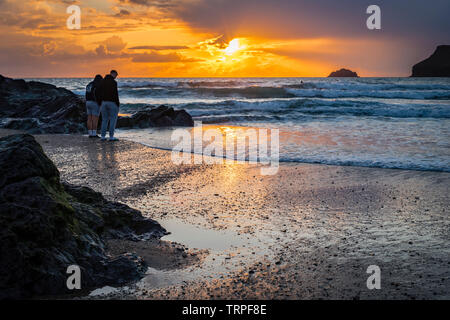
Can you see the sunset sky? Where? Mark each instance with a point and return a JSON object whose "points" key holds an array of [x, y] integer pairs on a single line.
{"points": [[206, 38]]}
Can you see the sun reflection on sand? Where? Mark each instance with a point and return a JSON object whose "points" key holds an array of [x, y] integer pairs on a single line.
{"points": [[231, 173]]}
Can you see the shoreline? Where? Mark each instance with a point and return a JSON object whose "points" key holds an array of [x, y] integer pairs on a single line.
{"points": [[160, 138], [308, 232]]}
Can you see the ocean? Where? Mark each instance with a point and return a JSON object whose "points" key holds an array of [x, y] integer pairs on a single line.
{"points": [[375, 122]]}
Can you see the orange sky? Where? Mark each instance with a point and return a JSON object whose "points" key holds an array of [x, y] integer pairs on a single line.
{"points": [[165, 38]]}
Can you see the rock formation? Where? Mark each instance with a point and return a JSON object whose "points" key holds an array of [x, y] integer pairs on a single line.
{"points": [[437, 65], [343, 73], [162, 116], [39, 107], [43, 108], [46, 226]]}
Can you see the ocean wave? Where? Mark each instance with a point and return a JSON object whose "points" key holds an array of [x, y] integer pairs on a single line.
{"points": [[386, 94], [367, 87], [438, 165], [185, 84], [280, 92], [247, 92], [359, 84], [215, 83], [146, 84], [218, 119], [265, 88], [298, 108]]}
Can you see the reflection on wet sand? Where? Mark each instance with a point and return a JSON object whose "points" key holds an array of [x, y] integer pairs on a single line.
{"points": [[308, 232]]}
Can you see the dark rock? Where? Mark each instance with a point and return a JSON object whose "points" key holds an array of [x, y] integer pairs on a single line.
{"points": [[123, 268], [164, 121], [40, 107], [183, 119], [437, 65], [43, 108], [162, 116], [45, 226], [22, 124], [344, 73], [162, 111]]}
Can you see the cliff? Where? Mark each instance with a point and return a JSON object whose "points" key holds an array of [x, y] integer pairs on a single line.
{"points": [[437, 65]]}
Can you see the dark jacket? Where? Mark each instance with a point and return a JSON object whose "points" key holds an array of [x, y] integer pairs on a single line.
{"points": [[93, 91], [108, 90]]}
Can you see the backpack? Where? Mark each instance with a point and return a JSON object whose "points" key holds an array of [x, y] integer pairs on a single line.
{"points": [[90, 92]]}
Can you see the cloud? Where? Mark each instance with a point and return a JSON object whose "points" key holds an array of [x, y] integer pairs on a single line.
{"points": [[123, 13], [114, 44], [283, 35], [319, 18], [26, 14], [152, 3], [158, 48], [155, 57], [403, 21]]}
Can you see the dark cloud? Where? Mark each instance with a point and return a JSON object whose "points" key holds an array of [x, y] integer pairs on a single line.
{"points": [[319, 18], [152, 3]]}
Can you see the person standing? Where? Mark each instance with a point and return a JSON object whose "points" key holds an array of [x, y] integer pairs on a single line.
{"points": [[110, 104], [93, 102]]}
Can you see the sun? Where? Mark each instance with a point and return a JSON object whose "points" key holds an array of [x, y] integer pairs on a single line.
{"points": [[233, 47], [233, 55]]}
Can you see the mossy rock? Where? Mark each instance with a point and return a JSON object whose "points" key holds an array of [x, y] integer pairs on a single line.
{"points": [[46, 226]]}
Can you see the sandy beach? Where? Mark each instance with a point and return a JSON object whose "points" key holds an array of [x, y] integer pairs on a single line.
{"points": [[309, 232]]}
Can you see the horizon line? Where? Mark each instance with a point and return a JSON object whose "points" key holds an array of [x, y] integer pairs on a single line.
{"points": [[202, 77]]}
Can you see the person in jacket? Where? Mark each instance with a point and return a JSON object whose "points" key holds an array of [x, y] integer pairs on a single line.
{"points": [[93, 102], [110, 104]]}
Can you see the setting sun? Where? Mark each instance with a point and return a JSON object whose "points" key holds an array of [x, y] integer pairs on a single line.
{"points": [[233, 47]]}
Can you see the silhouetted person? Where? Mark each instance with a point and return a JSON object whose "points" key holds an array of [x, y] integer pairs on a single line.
{"points": [[110, 104], [93, 102]]}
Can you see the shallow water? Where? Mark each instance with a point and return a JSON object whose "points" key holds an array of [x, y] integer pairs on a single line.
{"points": [[195, 236]]}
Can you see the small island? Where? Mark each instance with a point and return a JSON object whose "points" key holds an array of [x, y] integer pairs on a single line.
{"points": [[343, 73], [437, 65]]}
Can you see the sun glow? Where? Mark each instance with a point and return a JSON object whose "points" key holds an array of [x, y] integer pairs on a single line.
{"points": [[233, 47], [245, 56]]}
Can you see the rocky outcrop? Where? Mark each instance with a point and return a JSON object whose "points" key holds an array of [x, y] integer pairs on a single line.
{"points": [[40, 108], [43, 108], [344, 73], [437, 65], [162, 116], [46, 226]]}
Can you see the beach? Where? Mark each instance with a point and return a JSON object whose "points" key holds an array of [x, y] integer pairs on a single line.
{"points": [[308, 232]]}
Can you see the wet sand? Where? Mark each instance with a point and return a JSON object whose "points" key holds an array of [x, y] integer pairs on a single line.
{"points": [[308, 232]]}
